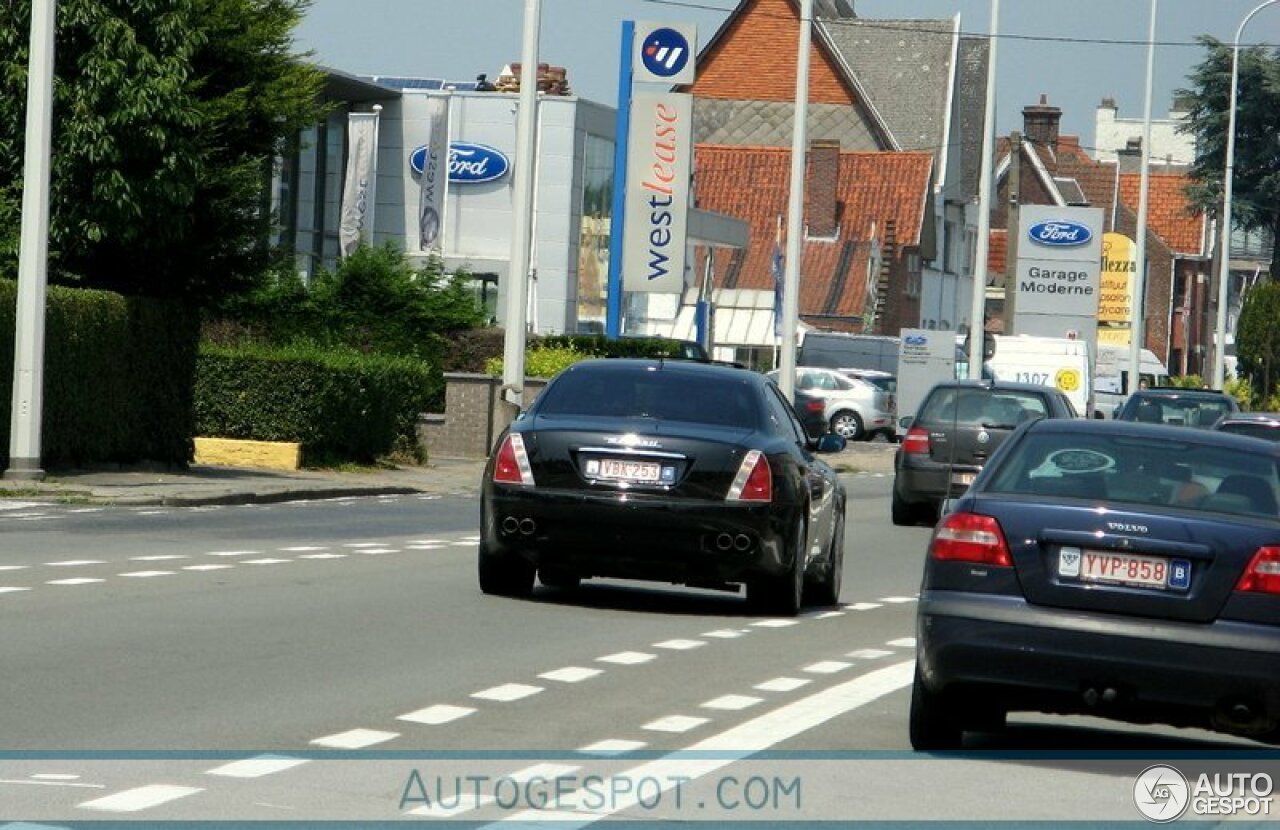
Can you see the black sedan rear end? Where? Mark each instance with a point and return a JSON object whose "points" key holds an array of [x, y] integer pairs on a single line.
{"points": [[1106, 568], [669, 471]]}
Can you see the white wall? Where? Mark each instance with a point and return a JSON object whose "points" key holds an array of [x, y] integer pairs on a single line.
{"points": [[1112, 133]]}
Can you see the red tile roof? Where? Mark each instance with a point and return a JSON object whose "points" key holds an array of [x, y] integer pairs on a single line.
{"points": [[998, 251], [1169, 211], [752, 183]]}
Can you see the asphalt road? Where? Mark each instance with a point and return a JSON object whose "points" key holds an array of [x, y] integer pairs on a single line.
{"points": [[335, 660]]}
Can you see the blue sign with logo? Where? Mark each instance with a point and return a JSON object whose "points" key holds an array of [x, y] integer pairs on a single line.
{"points": [[1060, 233], [915, 340], [468, 163], [665, 52]]}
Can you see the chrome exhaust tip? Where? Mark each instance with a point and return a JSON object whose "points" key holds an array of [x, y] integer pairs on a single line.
{"points": [[510, 524], [741, 542], [527, 527], [724, 541]]}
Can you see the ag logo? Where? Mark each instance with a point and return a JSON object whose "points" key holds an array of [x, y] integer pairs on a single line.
{"points": [[665, 52], [1068, 380], [1161, 793]]}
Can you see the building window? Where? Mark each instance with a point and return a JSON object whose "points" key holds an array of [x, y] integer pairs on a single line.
{"points": [[593, 237]]}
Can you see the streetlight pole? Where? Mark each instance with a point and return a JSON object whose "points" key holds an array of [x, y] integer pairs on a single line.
{"points": [[795, 209], [978, 304], [33, 256], [1137, 326], [1224, 266]]}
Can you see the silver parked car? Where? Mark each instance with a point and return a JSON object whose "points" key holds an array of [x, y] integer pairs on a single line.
{"points": [[855, 409]]}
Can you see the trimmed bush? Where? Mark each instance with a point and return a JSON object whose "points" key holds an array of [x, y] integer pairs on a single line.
{"points": [[117, 377], [340, 405]]}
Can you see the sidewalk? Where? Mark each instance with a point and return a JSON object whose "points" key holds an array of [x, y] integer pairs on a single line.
{"points": [[208, 485]]}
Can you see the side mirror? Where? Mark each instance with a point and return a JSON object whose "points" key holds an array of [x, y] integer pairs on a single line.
{"points": [[832, 443], [905, 421]]}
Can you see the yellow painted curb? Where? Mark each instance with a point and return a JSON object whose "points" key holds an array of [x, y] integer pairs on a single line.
{"points": [[231, 452]]}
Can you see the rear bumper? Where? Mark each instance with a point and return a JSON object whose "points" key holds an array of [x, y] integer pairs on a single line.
{"points": [[1035, 658], [920, 480], [615, 535]]}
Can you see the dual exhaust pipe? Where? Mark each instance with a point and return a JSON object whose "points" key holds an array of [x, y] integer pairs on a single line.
{"points": [[525, 527], [727, 541]]}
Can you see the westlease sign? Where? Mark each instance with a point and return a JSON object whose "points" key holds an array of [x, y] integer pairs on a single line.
{"points": [[658, 165]]}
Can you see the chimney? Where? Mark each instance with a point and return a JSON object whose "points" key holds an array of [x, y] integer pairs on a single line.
{"points": [[1040, 123], [820, 187], [1130, 158]]}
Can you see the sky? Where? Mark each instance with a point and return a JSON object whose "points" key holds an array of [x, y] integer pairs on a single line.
{"points": [[1075, 52]]}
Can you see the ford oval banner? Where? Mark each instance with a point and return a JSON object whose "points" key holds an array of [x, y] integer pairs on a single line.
{"points": [[659, 158], [468, 163]]}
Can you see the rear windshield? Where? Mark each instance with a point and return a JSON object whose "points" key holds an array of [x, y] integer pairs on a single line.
{"points": [[1253, 430], [645, 393], [1189, 412], [989, 408], [1145, 471]]}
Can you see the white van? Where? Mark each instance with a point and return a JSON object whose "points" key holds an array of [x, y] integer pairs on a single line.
{"points": [[1045, 361]]}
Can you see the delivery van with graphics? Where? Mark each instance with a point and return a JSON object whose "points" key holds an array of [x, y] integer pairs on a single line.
{"points": [[1045, 361]]}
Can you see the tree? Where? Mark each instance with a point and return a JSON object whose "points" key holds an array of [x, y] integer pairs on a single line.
{"points": [[1258, 337], [1255, 198], [167, 116]]}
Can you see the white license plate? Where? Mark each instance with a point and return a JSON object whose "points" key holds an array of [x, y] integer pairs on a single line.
{"points": [[963, 479], [1115, 568], [617, 469]]}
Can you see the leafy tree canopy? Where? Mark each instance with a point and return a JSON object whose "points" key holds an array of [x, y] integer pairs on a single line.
{"points": [[1258, 337], [1255, 197], [167, 115]]}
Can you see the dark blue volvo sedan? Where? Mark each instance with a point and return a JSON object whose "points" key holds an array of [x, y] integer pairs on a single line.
{"points": [[1122, 570], [664, 470]]}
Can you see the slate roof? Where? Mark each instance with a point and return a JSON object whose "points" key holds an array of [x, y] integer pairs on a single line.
{"points": [[752, 183]]}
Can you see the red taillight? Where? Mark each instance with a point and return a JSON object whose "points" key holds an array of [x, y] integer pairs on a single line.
{"points": [[512, 464], [815, 406], [1263, 574], [916, 441], [968, 537], [754, 481]]}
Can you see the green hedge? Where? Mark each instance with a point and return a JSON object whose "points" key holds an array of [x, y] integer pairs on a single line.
{"points": [[117, 377], [341, 405], [597, 345]]}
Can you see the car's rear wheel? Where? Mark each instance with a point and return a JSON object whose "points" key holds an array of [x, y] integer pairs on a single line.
{"points": [[559, 578], [504, 575], [904, 512], [782, 595], [848, 424], [932, 724], [827, 591]]}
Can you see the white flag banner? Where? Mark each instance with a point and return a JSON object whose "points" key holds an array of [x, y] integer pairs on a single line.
{"points": [[435, 176], [358, 193]]}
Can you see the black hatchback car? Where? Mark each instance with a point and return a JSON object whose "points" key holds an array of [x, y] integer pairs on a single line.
{"points": [[672, 471], [1125, 571], [959, 425], [1265, 425], [1177, 406]]}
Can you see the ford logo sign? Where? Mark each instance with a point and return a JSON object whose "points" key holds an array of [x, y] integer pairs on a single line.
{"points": [[1060, 233], [915, 340], [469, 163]]}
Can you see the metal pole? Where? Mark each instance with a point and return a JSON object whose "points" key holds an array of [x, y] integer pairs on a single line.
{"points": [[33, 257], [1224, 266], [978, 307], [618, 211], [1137, 328], [795, 208], [518, 271]]}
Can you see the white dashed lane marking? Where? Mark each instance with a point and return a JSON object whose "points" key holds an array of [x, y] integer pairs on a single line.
{"points": [[626, 658], [862, 606], [162, 558], [897, 600], [827, 667], [10, 589], [680, 645], [14, 567], [732, 703], [775, 623], [257, 767], [304, 548], [905, 642], [267, 561], [725, 634], [869, 654], [377, 551], [322, 556], [79, 580], [508, 692], [206, 567], [675, 723], [234, 552], [571, 674], [147, 574], [438, 714], [140, 798], [827, 615], [355, 739], [783, 684], [71, 563]]}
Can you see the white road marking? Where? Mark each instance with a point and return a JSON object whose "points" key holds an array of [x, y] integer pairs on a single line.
{"points": [[70, 563], [862, 606], [775, 623], [304, 548], [732, 703], [139, 798], [55, 776], [508, 692], [234, 552], [355, 739], [680, 645], [626, 658], [362, 544], [206, 567], [35, 782], [37, 518], [424, 547], [783, 684], [869, 654], [675, 723], [147, 574], [612, 746], [161, 558], [463, 544], [14, 567], [427, 542], [745, 739], [826, 615], [322, 556], [257, 767], [438, 714], [9, 589], [80, 580], [725, 634], [472, 539], [827, 667], [571, 674], [897, 600], [904, 642], [377, 551], [19, 505], [267, 561], [152, 512]]}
